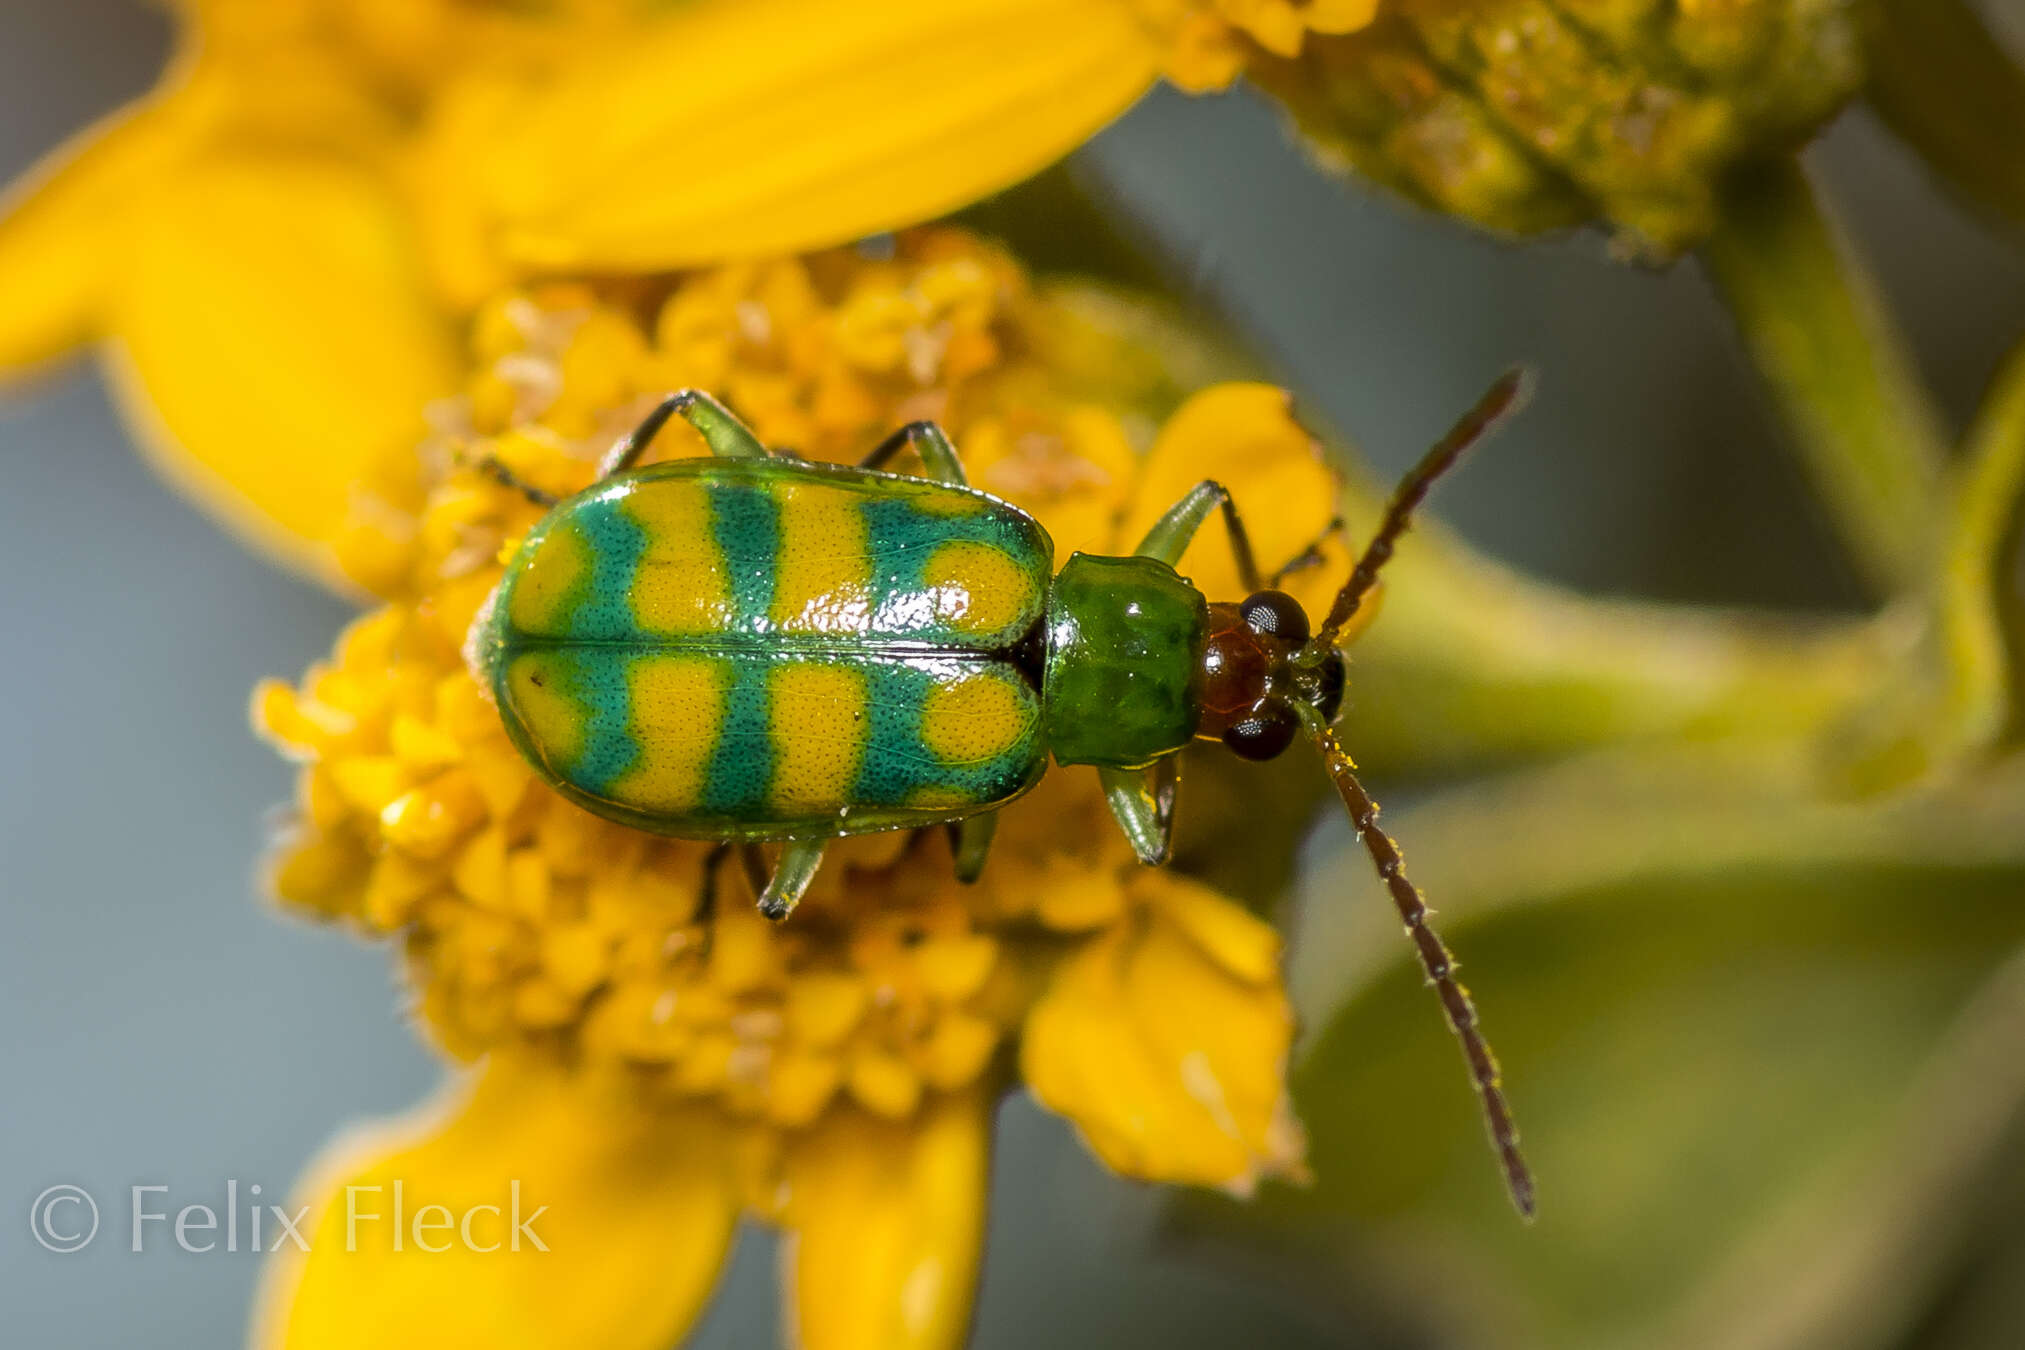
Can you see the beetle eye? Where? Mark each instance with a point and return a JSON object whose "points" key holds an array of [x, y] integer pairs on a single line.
{"points": [[1276, 613], [1264, 731]]}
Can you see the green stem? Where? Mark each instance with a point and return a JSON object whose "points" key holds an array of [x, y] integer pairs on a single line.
{"points": [[1979, 606], [1843, 382], [1941, 80], [1472, 663]]}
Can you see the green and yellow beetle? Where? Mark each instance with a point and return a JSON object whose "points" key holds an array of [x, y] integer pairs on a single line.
{"points": [[752, 647]]}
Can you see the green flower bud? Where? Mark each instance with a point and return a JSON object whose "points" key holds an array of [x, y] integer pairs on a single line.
{"points": [[1531, 115]]}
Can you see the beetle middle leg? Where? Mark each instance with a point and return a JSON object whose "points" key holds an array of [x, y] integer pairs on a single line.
{"points": [[931, 442], [1172, 533], [726, 436]]}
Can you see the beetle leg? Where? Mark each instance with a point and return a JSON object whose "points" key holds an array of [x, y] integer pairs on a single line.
{"points": [[970, 841], [1143, 802], [1172, 533], [492, 468], [754, 863], [931, 442], [705, 917], [1311, 556], [727, 437], [799, 859]]}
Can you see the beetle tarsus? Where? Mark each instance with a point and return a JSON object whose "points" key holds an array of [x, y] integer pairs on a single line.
{"points": [[493, 468]]}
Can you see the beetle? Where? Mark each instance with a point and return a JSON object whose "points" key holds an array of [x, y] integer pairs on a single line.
{"points": [[749, 646]]}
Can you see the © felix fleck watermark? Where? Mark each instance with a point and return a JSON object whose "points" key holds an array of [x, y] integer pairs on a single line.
{"points": [[66, 1218]]}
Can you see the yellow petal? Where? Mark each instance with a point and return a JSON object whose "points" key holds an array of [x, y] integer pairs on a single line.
{"points": [[275, 346], [886, 1223], [1244, 436], [636, 1212], [744, 127], [1171, 1064], [59, 227], [1235, 938], [1339, 16]]}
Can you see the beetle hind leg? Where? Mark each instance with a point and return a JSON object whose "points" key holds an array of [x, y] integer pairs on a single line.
{"points": [[495, 469], [704, 917], [781, 892], [970, 843]]}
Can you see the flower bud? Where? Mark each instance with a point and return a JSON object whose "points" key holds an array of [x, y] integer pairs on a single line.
{"points": [[1531, 115]]}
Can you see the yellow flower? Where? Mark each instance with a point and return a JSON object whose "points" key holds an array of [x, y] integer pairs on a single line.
{"points": [[277, 245], [650, 1081]]}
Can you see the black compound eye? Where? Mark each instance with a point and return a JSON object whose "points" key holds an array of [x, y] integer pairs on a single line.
{"points": [[1277, 613], [1264, 731]]}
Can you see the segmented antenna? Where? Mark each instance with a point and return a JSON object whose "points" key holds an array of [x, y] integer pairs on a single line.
{"points": [[1503, 397], [1436, 961]]}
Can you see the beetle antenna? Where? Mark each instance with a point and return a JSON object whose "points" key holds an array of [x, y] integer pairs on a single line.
{"points": [[1436, 961], [1504, 397]]}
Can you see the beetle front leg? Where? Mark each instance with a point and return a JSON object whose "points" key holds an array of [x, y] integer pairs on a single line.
{"points": [[1172, 533], [799, 860], [727, 437], [1311, 556], [1142, 801], [931, 442]]}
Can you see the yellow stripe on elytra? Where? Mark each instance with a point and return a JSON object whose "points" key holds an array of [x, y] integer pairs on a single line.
{"points": [[822, 574], [676, 706], [553, 719], [816, 716], [680, 584], [976, 718], [542, 589], [978, 588], [939, 797]]}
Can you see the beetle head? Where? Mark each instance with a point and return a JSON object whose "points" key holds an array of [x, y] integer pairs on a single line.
{"points": [[1257, 663]]}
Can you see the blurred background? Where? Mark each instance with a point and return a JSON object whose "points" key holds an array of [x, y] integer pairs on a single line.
{"points": [[163, 1028]]}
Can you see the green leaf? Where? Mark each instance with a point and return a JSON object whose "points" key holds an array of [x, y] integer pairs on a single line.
{"points": [[1721, 999], [1982, 600]]}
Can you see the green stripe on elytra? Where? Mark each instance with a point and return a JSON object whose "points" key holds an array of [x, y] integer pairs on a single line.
{"points": [[896, 696], [594, 679], [602, 599], [904, 539], [745, 522]]}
